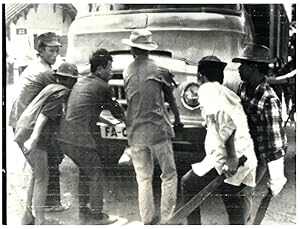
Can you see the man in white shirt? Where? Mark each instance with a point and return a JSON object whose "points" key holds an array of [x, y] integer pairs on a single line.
{"points": [[226, 141]]}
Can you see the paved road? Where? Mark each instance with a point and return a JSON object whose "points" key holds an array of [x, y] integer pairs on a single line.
{"points": [[121, 192]]}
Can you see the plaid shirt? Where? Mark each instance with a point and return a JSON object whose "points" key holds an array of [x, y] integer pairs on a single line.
{"points": [[265, 121]]}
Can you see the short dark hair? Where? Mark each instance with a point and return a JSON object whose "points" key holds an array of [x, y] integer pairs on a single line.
{"points": [[41, 47], [99, 58], [138, 51], [212, 72]]}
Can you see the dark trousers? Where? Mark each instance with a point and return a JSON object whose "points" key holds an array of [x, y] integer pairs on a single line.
{"points": [[238, 204], [55, 157], [90, 186]]}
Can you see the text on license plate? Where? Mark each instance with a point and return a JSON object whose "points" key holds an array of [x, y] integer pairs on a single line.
{"points": [[113, 132]]}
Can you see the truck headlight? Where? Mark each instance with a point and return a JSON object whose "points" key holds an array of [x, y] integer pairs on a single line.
{"points": [[189, 96]]}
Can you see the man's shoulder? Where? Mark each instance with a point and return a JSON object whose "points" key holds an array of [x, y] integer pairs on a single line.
{"points": [[161, 74], [55, 87], [267, 93], [94, 81], [90, 84], [37, 70], [55, 91], [230, 93], [38, 66], [268, 90], [130, 66]]}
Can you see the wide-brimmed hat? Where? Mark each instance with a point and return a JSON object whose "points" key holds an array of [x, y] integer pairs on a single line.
{"points": [[211, 61], [255, 53], [67, 69], [49, 39], [140, 38]]}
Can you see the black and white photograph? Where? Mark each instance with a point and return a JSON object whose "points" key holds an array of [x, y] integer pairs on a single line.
{"points": [[149, 113]]}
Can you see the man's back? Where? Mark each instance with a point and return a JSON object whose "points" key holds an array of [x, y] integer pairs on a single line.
{"points": [[88, 98], [147, 117]]}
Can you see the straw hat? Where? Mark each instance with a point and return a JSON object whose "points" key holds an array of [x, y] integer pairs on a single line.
{"points": [[140, 38]]}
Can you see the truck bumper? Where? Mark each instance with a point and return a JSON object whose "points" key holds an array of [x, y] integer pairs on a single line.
{"points": [[188, 148]]}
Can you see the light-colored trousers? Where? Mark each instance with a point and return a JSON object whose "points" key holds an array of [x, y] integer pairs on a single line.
{"points": [[143, 162], [37, 190]]}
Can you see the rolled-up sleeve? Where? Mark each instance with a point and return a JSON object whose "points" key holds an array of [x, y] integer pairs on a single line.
{"points": [[225, 125]]}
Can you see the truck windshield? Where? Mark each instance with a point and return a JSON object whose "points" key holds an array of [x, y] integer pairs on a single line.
{"points": [[234, 8]]}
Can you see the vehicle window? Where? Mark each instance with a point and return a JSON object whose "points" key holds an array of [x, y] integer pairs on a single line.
{"points": [[200, 7]]}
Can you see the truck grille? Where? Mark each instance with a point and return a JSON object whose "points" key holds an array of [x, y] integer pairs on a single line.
{"points": [[118, 92], [117, 85]]}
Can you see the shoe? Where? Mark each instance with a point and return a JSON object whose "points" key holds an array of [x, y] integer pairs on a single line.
{"points": [[57, 208], [84, 212], [28, 219], [155, 221], [88, 218], [105, 219], [52, 222], [248, 219], [183, 222]]}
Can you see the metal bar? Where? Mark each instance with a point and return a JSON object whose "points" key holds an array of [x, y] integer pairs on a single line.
{"points": [[193, 203], [272, 30], [119, 92]]}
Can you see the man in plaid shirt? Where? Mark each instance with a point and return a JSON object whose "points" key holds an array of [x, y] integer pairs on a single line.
{"points": [[263, 109]]}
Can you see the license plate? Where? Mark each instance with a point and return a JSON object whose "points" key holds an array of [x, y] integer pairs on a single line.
{"points": [[113, 132]]}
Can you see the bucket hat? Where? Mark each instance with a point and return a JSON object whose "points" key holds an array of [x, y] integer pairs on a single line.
{"points": [[211, 61], [255, 53], [49, 39], [140, 38], [67, 69]]}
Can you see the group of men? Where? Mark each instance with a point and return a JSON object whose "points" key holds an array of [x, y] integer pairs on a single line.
{"points": [[54, 115]]}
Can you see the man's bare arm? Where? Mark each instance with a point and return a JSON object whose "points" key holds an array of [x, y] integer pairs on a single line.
{"points": [[31, 143]]}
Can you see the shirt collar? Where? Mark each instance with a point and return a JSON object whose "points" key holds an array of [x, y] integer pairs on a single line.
{"points": [[41, 60], [92, 75], [261, 87]]}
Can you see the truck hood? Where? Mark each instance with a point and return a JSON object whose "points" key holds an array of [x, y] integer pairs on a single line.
{"points": [[192, 35]]}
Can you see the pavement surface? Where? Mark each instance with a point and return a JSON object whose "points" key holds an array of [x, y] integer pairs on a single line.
{"points": [[121, 192]]}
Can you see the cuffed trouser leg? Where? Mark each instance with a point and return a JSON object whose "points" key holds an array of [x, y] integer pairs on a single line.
{"points": [[54, 159], [238, 205], [83, 189]]}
